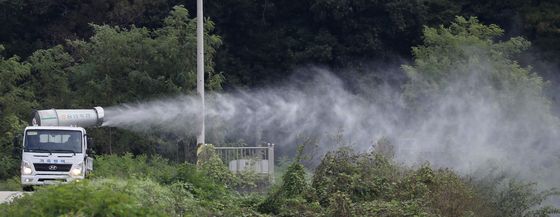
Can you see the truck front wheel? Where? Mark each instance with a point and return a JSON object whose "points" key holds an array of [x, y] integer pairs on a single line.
{"points": [[28, 188]]}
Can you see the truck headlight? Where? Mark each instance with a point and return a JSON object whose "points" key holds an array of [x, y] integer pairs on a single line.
{"points": [[26, 168], [77, 170]]}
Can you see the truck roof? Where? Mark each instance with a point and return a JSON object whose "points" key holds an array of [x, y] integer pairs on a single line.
{"points": [[54, 128]]}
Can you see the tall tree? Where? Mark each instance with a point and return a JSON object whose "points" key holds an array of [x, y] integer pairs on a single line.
{"points": [[31, 25], [50, 77], [16, 101], [467, 54], [121, 65], [265, 40], [118, 65]]}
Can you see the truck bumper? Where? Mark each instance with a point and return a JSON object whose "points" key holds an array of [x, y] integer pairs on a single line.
{"points": [[28, 180]]}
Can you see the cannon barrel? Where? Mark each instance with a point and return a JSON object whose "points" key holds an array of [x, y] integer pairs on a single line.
{"points": [[69, 117]]}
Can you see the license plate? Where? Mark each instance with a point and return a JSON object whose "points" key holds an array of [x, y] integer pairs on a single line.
{"points": [[52, 182]]}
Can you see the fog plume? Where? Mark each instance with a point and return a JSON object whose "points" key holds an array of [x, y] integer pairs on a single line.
{"points": [[465, 127]]}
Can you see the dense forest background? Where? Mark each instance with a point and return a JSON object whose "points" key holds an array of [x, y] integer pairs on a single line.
{"points": [[264, 40], [475, 82], [72, 54]]}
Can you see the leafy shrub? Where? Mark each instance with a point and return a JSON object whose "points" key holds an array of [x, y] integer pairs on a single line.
{"points": [[91, 198], [509, 197], [211, 163], [368, 184], [8, 166], [131, 197], [344, 184], [450, 195], [390, 208], [203, 186], [340, 205], [159, 169], [12, 184], [291, 191], [128, 166], [362, 177], [293, 182]]}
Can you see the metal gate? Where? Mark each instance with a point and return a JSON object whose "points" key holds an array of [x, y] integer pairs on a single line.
{"points": [[259, 159]]}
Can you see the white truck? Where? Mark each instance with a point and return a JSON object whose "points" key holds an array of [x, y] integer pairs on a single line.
{"points": [[55, 146]]}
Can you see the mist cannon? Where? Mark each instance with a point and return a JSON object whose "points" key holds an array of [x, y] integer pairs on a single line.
{"points": [[69, 117]]}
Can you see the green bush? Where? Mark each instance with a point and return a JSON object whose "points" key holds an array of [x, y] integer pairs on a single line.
{"points": [[361, 176], [344, 184], [340, 205], [213, 196], [368, 184], [291, 197], [106, 197], [505, 196], [128, 166], [213, 167], [12, 184], [211, 163], [116, 197], [9, 166], [159, 169], [390, 208]]}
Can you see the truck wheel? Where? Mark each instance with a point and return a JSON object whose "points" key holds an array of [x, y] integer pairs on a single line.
{"points": [[28, 188]]}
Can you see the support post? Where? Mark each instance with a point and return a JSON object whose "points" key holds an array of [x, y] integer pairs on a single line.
{"points": [[271, 162], [200, 139]]}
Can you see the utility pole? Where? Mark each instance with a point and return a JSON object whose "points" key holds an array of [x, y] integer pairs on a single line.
{"points": [[200, 69]]}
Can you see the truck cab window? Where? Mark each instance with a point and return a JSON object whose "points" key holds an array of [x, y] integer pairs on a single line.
{"points": [[53, 141]]}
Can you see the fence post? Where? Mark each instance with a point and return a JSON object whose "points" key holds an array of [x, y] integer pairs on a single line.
{"points": [[271, 162]]}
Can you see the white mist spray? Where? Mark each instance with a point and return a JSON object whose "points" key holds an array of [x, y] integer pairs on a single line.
{"points": [[463, 130]]}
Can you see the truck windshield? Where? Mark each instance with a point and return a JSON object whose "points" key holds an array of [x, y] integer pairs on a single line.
{"points": [[53, 141]]}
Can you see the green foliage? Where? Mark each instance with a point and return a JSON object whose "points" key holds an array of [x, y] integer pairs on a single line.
{"points": [[210, 162], [278, 37], [466, 50], [293, 181], [9, 165], [122, 197], [366, 184], [120, 64], [94, 198], [117, 64], [127, 166], [11, 184], [16, 101], [142, 51], [213, 167], [290, 197], [372, 185], [126, 64], [390, 208], [50, 77], [451, 195], [159, 169], [510, 197], [340, 205], [266, 39], [521, 200], [343, 171], [136, 186]]}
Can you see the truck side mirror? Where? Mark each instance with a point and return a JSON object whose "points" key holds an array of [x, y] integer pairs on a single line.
{"points": [[17, 140], [89, 146], [17, 145], [90, 141]]}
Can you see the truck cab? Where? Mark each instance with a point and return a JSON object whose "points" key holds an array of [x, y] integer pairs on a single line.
{"points": [[54, 152], [54, 155]]}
